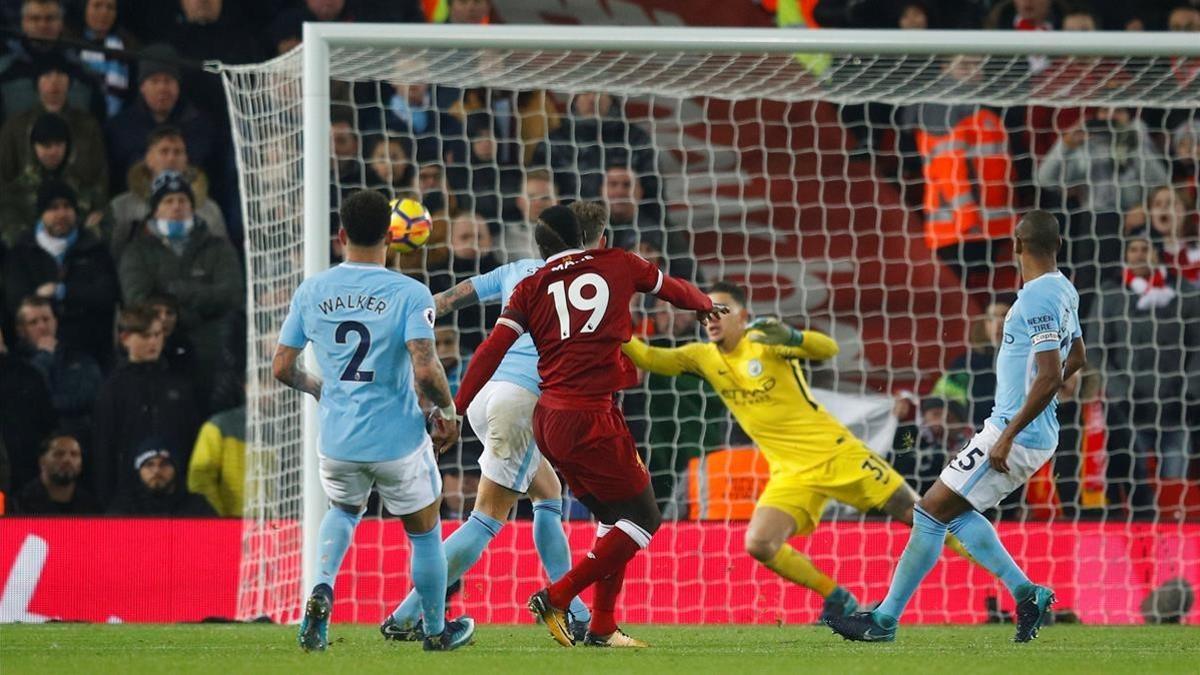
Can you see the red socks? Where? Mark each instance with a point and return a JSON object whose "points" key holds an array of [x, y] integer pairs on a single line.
{"points": [[607, 558], [604, 604]]}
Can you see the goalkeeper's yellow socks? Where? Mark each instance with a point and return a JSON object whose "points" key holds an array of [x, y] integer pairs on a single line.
{"points": [[796, 567]]}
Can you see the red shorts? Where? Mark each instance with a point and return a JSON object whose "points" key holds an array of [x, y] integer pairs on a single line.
{"points": [[593, 450]]}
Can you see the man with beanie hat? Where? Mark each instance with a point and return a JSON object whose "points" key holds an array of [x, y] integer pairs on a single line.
{"points": [[166, 150], [50, 151], [157, 490], [59, 261], [178, 255], [160, 100]]}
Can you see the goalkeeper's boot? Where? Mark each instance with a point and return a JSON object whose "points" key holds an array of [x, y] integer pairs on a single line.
{"points": [[618, 638], [578, 629], [1032, 610], [392, 630], [458, 633], [862, 627], [554, 618], [840, 602], [314, 627]]}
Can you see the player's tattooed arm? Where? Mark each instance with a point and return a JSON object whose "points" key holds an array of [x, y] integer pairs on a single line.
{"points": [[286, 367], [462, 295], [428, 372], [432, 386]]}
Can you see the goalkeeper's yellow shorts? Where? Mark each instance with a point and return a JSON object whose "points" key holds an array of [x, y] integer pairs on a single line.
{"points": [[854, 476]]}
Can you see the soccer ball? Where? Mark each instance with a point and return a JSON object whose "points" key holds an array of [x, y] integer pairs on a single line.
{"points": [[410, 225]]}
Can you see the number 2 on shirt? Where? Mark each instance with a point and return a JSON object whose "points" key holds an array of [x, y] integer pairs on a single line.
{"points": [[597, 304]]}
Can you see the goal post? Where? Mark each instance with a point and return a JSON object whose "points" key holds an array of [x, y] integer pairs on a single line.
{"points": [[726, 110]]}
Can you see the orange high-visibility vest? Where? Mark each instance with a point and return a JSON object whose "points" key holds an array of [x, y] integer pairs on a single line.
{"points": [[725, 484], [968, 181]]}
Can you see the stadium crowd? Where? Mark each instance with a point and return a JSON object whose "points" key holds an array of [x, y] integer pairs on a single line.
{"points": [[123, 358]]}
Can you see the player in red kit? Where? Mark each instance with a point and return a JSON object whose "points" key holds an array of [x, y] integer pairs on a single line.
{"points": [[576, 308]]}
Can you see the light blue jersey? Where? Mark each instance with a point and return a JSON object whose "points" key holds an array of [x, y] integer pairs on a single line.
{"points": [[1044, 317], [358, 318], [520, 365]]}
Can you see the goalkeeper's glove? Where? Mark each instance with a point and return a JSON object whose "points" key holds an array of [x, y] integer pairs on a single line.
{"points": [[771, 331]]}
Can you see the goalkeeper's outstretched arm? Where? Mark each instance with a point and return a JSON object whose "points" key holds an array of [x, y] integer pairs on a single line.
{"points": [[792, 343], [658, 360]]}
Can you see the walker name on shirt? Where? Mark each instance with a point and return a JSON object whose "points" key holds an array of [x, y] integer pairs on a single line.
{"points": [[368, 303]]}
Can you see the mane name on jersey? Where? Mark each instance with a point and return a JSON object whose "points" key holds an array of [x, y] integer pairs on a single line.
{"points": [[569, 262], [369, 303]]}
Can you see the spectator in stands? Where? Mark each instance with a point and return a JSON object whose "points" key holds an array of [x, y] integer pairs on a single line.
{"points": [[218, 468], [491, 182], [432, 188], [389, 165], [141, 400], [41, 25], [157, 489], [537, 194], [50, 160], [85, 156], [970, 381], [1140, 336], [26, 416], [178, 255], [166, 150], [408, 11], [594, 134], [634, 218], [160, 101], [1103, 164], [967, 170], [1080, 19], [449, 352], [412, 109], [1185, 156], [178, 351], [212, 30], [61, 262], [923, 447], [1174, 235], [1026, 15], [56, 490], [471, 253], [101, 30], [285, 31], [913, 16], [72, 377], [348, 171]]}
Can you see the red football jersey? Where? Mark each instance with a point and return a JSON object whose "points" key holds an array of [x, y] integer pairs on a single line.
{"points": [[576, 309]]}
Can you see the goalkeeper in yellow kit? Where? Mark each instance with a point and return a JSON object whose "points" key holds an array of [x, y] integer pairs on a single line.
{"points": [[813, 457]]}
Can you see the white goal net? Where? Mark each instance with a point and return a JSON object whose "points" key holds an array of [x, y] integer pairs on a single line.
{"points": [[863, 186]]}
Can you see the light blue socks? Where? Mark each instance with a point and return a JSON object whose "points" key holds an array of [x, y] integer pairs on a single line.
{"points": [[463, 549], [982, 542], [333, 540], [429, 576], [920, 555], [552, 547]]}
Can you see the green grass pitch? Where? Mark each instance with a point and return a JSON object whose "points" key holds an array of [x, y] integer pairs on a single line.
{"points": [[78, 649]]}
